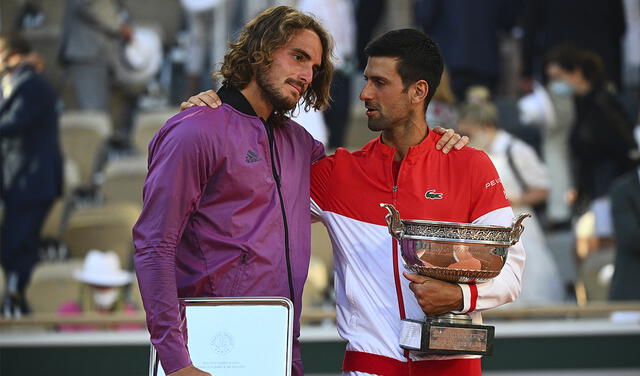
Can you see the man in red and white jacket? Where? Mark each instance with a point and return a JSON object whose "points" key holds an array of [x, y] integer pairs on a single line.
{"points": [[403, 167]]}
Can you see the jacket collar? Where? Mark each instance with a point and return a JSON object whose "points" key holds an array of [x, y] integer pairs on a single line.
{"points": [[380, 150], [233, 97]]}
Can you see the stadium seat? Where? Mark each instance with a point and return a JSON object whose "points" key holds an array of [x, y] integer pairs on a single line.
{"points": [[123, 180], [83, 135], [52, 284], [594, 277], [146, 126], [106, 227]]}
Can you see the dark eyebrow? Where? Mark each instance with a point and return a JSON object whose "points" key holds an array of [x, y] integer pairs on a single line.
{"points": [[302, 52], [379, 78], [306, 56]]}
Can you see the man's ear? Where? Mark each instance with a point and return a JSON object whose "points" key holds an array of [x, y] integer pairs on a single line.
{"points": [[420, 91]]}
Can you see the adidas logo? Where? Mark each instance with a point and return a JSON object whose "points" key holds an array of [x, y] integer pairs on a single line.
{"points": [[252, 157]]}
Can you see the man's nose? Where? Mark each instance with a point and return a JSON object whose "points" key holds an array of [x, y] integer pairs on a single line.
{"points": [[365, 93], [306, 75]]}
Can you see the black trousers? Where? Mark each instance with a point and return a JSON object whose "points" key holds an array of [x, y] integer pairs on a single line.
{"points": [[20, 240]]}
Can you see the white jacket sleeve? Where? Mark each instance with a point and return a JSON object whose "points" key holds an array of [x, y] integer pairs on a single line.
{"points": [[505, 287]]}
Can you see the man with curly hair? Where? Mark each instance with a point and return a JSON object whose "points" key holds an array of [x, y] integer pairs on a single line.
{"points": [[226, 207]]}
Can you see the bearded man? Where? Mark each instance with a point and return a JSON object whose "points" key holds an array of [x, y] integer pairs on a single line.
{"points": [[226, 207]]}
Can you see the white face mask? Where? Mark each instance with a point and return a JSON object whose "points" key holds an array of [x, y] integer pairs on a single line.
{"points": [[560, 88], [105, 299]]}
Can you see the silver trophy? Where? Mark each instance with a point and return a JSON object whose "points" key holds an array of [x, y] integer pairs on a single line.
{"points": [[454, 252]]}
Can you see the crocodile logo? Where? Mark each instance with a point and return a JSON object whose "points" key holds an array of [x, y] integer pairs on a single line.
{"points": [[433, 195]]}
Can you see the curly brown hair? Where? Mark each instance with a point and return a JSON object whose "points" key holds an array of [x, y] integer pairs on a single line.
{"points": [[260, 37]]}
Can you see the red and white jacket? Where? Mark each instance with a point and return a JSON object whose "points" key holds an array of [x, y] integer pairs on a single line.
{"points": [[372, 296]]}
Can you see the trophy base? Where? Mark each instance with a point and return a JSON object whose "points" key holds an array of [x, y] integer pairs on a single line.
{"points": [[447, 335]]}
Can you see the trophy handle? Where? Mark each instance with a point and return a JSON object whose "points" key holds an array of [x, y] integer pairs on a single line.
{"points": [[517, 228], [394, 223]]}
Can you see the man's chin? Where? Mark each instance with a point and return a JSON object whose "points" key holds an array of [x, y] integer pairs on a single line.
{"points": [[377, 124], [374, 126], [286, 107]]}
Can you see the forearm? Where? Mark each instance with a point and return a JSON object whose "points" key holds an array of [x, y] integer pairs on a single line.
{"points": [[434, 296], [155, 270], [505, 287]]}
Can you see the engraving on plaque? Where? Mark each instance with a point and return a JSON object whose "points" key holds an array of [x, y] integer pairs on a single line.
{"points": [[222, 343], [466, 339]]}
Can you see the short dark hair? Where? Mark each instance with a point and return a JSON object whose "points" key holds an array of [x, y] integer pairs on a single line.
{"points": [[15, 43], [572, 58], [418, 57]]}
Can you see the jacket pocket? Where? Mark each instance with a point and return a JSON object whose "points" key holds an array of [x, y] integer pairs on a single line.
{"points": [[241, 274]]}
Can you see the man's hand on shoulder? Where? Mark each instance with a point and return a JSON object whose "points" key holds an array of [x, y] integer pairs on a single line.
{"points": [[189, 371], [450, 139], [434, 296], [207, 98]]}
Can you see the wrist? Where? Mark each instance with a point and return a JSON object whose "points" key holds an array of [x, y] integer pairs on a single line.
{"points": [[459, 304]]}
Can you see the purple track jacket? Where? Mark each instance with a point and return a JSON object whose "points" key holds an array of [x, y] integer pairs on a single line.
{"points": [[226, 213]]}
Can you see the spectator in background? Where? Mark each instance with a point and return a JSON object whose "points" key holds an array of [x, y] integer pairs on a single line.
{"points": [[94, 33], [101, 291], [594, 24], [30, 166], [526, 184], [555, 148], [90, 32], [596, 159], [625, 205], [442, 108], [338, 18], [625, 208], [550, 110], [199, 46], [467, 32]]}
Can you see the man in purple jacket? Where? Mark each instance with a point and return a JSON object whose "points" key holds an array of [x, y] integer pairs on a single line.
{"points": [[226, 207]]}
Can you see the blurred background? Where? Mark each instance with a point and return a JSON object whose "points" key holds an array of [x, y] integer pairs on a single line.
{"points": [[549, 89]]}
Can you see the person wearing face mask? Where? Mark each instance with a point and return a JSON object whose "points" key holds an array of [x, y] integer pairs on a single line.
{"points": [[601, 141], [101, 291], [526, 184], [30, 166], [555, 151]]}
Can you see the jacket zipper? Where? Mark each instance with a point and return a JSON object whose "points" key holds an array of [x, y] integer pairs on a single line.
{"points": [[396, 266], [276, 177]]}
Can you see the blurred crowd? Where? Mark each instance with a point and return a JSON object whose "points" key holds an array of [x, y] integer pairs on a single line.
{"points": [[550, 90]]}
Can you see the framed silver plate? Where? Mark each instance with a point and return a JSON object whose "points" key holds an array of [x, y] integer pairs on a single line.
{"points": [[237, 336]]}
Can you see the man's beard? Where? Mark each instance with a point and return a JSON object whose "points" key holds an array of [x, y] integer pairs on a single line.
{"points": [[377, 125], [280, 102], [380, 123]]}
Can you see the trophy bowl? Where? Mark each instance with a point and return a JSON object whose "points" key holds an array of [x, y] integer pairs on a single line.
{"points": [[458, 253], [454, 252]]}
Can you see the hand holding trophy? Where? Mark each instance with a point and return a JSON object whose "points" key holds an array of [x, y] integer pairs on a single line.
{"points": [[458, 253]]}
